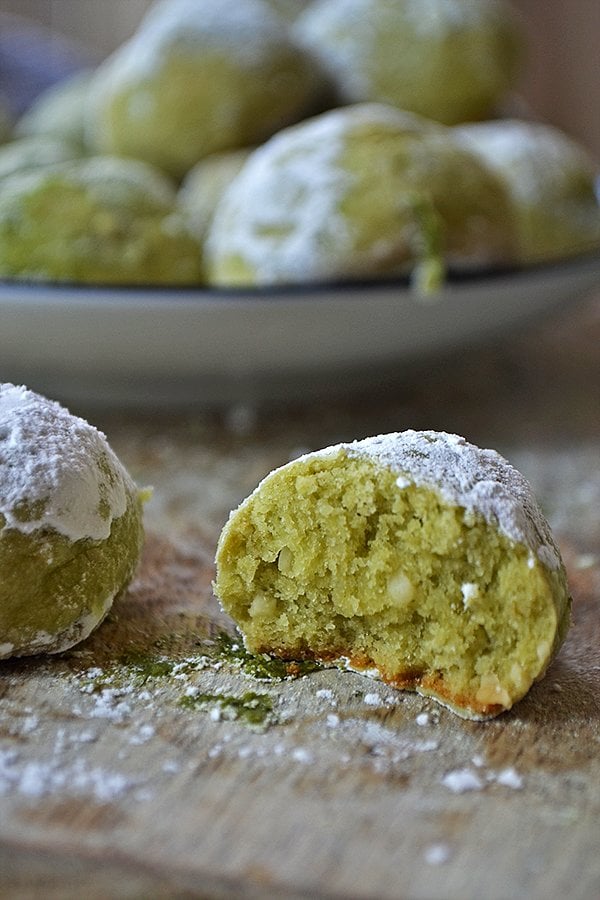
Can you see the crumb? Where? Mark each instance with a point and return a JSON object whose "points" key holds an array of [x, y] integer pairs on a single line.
{"points": [[437, 854], [461, 780]]}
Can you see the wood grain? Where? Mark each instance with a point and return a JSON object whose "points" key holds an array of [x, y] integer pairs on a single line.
{"points": [[315, 805], [112, 784]]}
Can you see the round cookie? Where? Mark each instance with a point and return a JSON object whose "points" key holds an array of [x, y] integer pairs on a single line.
{"points": [[552, 182], [450, 60], [358, 192], [33, 153], [59, 111], [98, 220], [199, 77], [416, 557], [70, 525], [205, 184]]}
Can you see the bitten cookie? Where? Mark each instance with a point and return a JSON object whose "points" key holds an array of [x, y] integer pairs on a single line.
{"points": [[415, 556], [70, 525]]}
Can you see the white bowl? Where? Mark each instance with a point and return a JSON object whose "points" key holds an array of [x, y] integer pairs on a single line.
{"points": [[197, 346]]}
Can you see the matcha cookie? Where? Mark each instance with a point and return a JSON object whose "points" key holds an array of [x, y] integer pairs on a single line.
{"points": [[98, 220], [197, 78], [551, 180], [70, 525], [450, 60], [359, 192], [34, 153], [205, 184], [416, 557]]}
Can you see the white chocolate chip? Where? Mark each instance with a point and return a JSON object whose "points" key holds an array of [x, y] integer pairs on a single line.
{"points": [[285, 560], [400, 588], [263, 605], [470, 591], [491, 691]]}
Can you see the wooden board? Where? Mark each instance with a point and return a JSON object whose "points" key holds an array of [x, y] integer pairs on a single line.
{"points": [[104, 775], [116, 782]]}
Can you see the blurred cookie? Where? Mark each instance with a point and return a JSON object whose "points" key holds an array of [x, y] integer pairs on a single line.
{"points": [[205, 184], [551, 179], [450, 60], [362, 191], [98, 220], [70, 525], [34, 152], [199, 77]]}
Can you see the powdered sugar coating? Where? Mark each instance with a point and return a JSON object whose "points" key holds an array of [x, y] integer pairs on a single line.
{"points": [[298, 198], [56, 471], [537, 160], [109, 181], [431, 19], [427, 19], [480, 481], [243, 31]]}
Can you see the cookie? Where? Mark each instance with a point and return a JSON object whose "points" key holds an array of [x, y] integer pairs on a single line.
{"points": [[365, 191], [415, 557], [551, 180], [70, 525], [449, 60], [34, 153], [99, 220], [199, 77], [205, 184]]}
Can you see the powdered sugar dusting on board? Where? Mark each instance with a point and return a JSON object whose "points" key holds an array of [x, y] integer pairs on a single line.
{"points": [[56, 470]]}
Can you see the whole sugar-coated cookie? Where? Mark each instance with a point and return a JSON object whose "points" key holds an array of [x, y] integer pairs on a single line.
{"points": [[450, 60], [358, 192], [199, 77], [97, 220], [551, 179], [416, 557], [70, 525]]}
